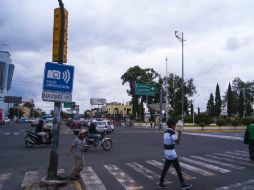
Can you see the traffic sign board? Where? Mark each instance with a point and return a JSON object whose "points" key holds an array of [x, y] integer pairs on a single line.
{"points": [[69, 104], [144, 89], [56, 97], [58, 78]]}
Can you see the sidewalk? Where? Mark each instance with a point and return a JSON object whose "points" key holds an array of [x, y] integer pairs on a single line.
{"points": [[195, 128]]}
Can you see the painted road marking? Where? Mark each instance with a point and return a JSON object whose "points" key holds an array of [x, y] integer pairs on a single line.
{"points": [[90, 179], [242, 151], [125, 180], [30, 177], [217, 162], [7, 133], [247, 185], [196, 170], [171, 169], [16, 133], [145, 171], [216, 136], [209, 166], [232, 156], [3, 179], [238, 154], [231, 160]]}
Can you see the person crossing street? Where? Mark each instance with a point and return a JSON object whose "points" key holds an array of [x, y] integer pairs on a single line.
{"points": [[170, 138]]}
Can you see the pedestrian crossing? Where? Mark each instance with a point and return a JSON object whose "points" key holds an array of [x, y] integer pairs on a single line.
{"points": [[194, 168]]}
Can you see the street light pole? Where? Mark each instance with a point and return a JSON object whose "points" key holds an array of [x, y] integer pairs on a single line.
{"points": [[166, 86], [181, 39]]}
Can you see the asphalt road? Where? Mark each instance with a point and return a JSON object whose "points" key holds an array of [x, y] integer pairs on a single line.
{"points": [[134, 162]]}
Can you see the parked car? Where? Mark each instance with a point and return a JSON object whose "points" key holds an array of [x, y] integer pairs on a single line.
{"points": [[104, 126], [34, 122], [5, 121]]}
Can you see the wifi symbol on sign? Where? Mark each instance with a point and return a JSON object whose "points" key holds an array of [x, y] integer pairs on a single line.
{"points": [[66, 76]]}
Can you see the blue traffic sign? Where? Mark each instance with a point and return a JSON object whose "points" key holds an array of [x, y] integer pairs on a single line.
{"points": [[58, 78]]}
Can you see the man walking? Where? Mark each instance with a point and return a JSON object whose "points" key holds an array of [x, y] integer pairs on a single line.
{"points": [[249, 135], [170, 138]]}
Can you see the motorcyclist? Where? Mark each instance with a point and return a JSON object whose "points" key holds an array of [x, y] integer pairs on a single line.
{"points": [[40, 130], [93, 133]]}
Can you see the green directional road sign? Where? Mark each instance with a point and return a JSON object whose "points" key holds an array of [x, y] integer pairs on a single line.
{"points": [[143, 89], [69, 104]]}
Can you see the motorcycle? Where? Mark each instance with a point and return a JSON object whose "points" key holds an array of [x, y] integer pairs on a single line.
{"points": [[105, 142], [32, 139]]}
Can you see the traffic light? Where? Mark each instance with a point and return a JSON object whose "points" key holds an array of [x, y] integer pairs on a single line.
{"points": [[56, 36]]}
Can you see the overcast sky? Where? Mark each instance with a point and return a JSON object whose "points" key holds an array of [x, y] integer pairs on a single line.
{"points": [[106, 37]]}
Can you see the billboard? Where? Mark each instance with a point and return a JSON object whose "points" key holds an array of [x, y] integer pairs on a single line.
{"points": [[97, 101]]}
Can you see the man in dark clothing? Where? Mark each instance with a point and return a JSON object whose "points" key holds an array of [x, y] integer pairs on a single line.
{"points": [[249, 133], [170, 138], [93, 133]]}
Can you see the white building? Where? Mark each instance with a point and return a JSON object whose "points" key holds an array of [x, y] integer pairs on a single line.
{"points": [[6, 74]]}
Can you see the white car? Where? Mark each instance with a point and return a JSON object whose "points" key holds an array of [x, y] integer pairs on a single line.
{"points": [[104, 126], [6, 120]]}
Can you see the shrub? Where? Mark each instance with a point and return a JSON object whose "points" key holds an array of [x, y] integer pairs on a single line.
{"points": [[235, 122], [247, 120], [221, 122]]}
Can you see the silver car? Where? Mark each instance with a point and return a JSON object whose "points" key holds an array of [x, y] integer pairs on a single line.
{"points": [[104, 126]]}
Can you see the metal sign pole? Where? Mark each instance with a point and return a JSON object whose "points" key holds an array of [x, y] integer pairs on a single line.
{"points": [[53, 162]]}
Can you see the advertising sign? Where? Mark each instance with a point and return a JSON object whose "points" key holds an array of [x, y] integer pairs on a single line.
{"points": [[12, 99], [97, 101]]}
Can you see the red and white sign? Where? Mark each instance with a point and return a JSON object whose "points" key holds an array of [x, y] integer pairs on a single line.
{"points": [[1, 115]]}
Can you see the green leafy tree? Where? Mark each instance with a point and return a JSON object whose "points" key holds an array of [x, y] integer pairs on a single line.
{"points": [[210, 106], [218, 101], [175, 93], [241, 105], [229, 101], [137, 74], [15, 112], [247, 89]]}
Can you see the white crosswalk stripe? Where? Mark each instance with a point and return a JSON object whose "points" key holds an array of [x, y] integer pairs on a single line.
{"points": [[247, 185], [238, 154], [232, 156], [242, 151], [125, 180], [217, 162], [3, 179], [7, 133], [171, 170], [90, 180], [209, 166], [196, 170], [231, 160], [16, 133], [145, 171]]}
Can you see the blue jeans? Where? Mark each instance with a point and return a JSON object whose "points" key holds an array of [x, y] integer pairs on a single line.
{"points": [[96, 137]]}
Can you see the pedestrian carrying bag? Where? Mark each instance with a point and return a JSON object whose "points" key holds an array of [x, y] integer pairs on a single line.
{"points": [[246, 137]]}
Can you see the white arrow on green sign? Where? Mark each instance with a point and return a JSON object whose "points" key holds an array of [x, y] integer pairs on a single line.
{"points": [[143, 89]]}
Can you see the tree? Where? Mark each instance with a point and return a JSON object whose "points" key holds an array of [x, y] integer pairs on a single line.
{"points": [[15, 112], [247, 89], [31, 107], [137, 74], [175, 93], [241, 105], [229, 101], [218, 102], [210, 106]]}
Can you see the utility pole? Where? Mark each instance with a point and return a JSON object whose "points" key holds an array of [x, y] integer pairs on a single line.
{"points": [[181, 39], [53, 161], [161, 99]]}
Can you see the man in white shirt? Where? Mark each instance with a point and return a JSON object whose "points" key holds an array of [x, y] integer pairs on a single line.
{"points": [[170, 138]]}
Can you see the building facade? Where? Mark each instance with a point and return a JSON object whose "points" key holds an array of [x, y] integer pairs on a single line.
{"points": [[6, 75], [118, 108]]}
